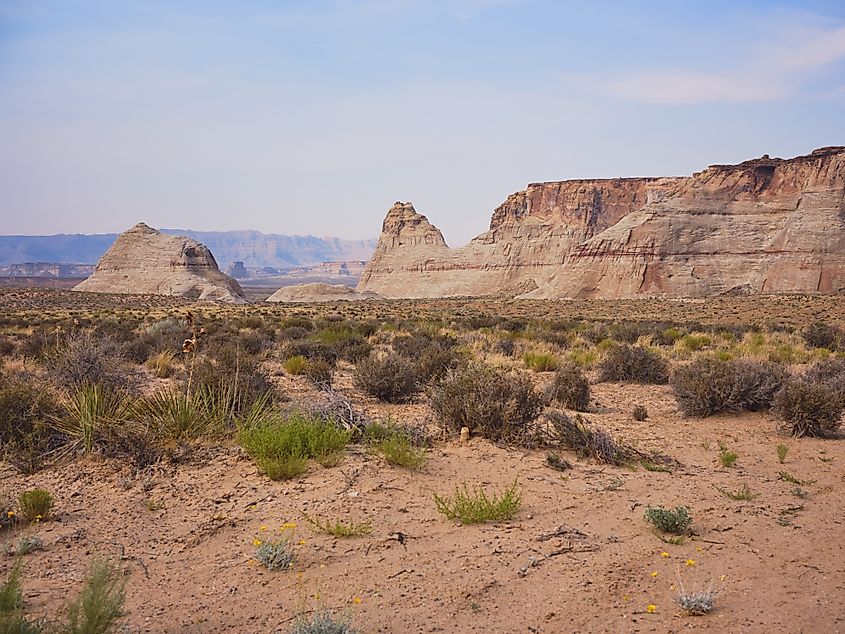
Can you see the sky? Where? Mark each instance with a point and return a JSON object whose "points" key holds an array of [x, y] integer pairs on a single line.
{"points": [[313, 117]]}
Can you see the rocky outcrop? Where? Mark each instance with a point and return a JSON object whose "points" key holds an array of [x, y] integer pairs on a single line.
{"points": [[763, 226], [318, 293], [145, 261]]}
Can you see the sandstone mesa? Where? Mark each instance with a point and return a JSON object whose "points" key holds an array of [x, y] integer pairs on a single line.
{"points": [[145, 261], [767, 225]]}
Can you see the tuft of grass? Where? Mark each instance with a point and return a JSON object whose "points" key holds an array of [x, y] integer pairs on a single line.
{"points": [[743, 493], [676, 521], [541, 361], [275, 554], [650, 465], [35, 504], [295, 365], [99, 604], [727, 458], [322, 622], [339, 529], [782, 451], [162, 364], [281, 444], [11, 593], [396, 446], [476, 507]]}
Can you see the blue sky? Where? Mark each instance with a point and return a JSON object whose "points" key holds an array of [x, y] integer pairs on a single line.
{"points": [[312, 117]]}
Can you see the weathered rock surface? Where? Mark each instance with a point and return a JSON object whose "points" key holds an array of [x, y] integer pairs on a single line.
{"points": [[319, 293], [145, 261], [763, 226]]}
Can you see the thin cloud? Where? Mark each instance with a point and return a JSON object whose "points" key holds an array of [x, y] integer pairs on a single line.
{"points": [[770, 72]]}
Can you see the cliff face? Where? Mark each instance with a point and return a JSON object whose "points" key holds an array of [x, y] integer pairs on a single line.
{"points": [[766, 225], [145, 261]]}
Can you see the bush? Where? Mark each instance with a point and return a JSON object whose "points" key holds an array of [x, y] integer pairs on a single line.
{"points": [[26, 408], [320, 374], [808, 409], [822, 335], [570, 388], [84, 358], [475, 507], [322, 622], [675, 521], [576, 434], [708, 385], [35, 504], [391, 378], [280, 444], [296, 365], [633, 364], [829, 372], [540, 361], [434, 361], [227, 366], [275, 554], [396, 445], [639, 413], [499, 404], [99, 604]]}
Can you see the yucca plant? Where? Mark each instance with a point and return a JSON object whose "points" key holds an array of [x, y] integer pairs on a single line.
{"points": [[90, 413]]}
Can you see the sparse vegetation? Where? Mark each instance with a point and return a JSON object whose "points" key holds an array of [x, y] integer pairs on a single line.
{"points": [[633, 364], [675, 521], [476, 507], [742, 494], [322, 622], [808, 409], [570, 388], [275, 554], [540, 361], [639, 413], [391, 378], [782, 451], [35, 504], [727, 458], [340, 529], [557, 463]]}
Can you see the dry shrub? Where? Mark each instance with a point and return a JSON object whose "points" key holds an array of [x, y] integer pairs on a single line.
{"points": [[633, 364], [25, 411], [390, 377], [499, 404], [708, 385], [228, 365], [85, 358], [808, 409], [570, 388], [320, 374], [823, 335], [829, 372]]}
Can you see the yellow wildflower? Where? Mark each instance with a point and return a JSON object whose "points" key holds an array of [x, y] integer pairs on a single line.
{"points": [[654, 574], [664, 554], [301, 541], [288, 525], [356, 600], [256, 542], [651, 608], [690, 562], [721, 577], [11, 513], [262, 527]]}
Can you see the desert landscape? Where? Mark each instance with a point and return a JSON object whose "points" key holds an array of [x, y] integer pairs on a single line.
{"points": [[575, 438]]}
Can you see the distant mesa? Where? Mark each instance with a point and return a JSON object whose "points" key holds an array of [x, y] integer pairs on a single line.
{"points": [[237, 270], [319, 293], [768, 225], [145, 261]]}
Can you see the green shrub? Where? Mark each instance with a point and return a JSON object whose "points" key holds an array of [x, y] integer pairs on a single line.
{"points": [[398, 448], [708, 385], [540, 361], [475, 507], [35, 504], [570, 388], [340, 529], [281, 444], [633, 364], [499, 404], [11, 594], [275, 554], [390, 378], [676, 521], [808, 409]]}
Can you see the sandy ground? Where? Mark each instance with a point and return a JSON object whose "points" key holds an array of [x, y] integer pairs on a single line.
{"points": [[185, 534]]}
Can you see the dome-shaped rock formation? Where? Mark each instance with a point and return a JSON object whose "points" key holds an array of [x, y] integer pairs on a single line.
{"points": [[145, 261]]}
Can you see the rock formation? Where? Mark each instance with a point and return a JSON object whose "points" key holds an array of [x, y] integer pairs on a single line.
{"points": [[145, 261], [763, 226], [318, 293]]}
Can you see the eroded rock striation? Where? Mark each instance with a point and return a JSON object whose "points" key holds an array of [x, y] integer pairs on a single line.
{"points": [[318, 293], [145, 261], [763, 226]]}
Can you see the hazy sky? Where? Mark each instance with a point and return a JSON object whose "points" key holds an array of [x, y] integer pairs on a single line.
{"points": [[312, 117]]}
